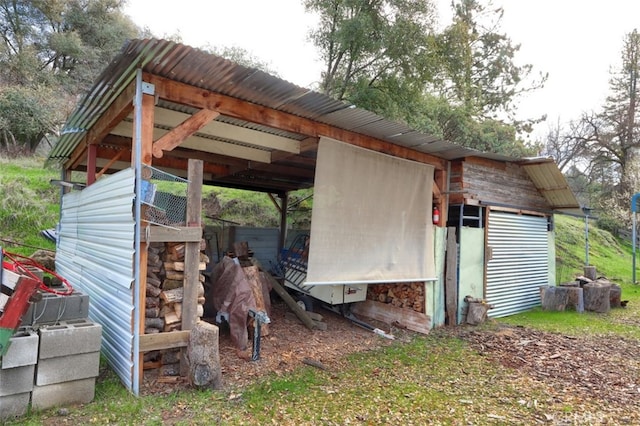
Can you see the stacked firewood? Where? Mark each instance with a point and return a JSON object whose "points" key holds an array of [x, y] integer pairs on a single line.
{"points": [[406, 295], [173, 285], [164, 293], [154, 323]]}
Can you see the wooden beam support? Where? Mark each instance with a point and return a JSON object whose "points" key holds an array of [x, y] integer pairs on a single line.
{"points": [[119, 109], [91, 164], [178, 135], [110, 162], [168, 118], [177, 160], [200, 98], [158, 341], [192, 249]]}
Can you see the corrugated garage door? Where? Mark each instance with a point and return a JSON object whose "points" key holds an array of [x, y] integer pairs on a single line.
{"points": [[519, 263]]}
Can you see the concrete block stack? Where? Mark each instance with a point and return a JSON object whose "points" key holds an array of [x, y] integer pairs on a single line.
{"points": [[68, 363], [53, 359], [17, 369]]}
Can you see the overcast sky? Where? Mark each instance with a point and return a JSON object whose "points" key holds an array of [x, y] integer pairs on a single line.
{"points": [[575, 41]]}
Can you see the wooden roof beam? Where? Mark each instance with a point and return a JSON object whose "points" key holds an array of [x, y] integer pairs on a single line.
{"points": [[118, 110], [200, 98]]}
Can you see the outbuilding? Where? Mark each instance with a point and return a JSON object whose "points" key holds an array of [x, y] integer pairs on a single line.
{"points": [[164, 118]]}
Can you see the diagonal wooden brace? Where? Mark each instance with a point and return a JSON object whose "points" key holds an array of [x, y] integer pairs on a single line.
{"points": [[188, 127]]}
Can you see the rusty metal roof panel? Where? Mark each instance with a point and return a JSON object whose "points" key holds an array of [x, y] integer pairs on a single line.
{"points": [[551, 183]]}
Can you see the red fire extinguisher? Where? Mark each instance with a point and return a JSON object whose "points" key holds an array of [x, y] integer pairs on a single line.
{"points": [[436, 215]]}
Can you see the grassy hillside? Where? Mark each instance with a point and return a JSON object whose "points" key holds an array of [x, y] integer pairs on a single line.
{"points": [[29, 204], [610, 255]]}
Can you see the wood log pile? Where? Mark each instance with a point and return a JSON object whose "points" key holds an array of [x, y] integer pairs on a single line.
{"points": [[406, 295], [163, 301], [584, 294]]}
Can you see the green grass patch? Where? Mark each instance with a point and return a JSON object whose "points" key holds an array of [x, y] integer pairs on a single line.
{"points": [[610, 255]]}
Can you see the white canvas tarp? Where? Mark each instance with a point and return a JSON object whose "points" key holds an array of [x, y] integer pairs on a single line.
{"points": [[371, 219]]}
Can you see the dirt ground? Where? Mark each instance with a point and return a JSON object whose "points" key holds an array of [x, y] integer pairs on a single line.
{"points": [[288, 346]]}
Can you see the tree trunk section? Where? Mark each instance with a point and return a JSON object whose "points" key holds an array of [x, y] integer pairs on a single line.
{"points": [[203, 357], [596, 297]]}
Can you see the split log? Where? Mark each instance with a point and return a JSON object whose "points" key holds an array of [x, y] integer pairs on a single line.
{"points": [[172, 327], [153, 312], [152, 302], [152, 291], [179, 266], [171, 284], [174, 275], [203, 356], [155, 282], [597, 297], [252, 273], [152, 258], [176, 251], [171, 318], [172, 296], [477, 312], [154, 323]]}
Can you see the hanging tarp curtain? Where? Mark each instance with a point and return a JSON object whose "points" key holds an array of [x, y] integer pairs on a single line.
{"points": [[371, 218]]}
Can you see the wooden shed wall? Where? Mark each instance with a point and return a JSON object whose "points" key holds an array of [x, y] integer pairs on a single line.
{"points": [[476, 180]]}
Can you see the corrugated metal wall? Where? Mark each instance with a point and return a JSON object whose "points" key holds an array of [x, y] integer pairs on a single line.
{"points": [[95, 254], [519, 264]]}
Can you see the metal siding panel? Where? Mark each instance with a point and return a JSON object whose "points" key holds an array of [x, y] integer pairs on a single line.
{"points": [[520, 263], [95, 254], [262, 241]]}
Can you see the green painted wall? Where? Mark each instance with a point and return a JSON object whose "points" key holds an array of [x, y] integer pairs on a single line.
{"points": [[552, 257], [434, 291], [471, 267]]}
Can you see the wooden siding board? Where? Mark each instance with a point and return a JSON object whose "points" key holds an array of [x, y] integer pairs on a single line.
{"points": [[509, 185]]}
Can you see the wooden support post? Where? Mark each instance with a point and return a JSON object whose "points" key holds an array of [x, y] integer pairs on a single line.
{"points": [[451, 278], [192, 249], [91, 164], [284, 205], [147, 124]]}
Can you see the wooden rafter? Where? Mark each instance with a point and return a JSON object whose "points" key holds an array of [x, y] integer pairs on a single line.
{"points": [[175, 137], [119, 109]]}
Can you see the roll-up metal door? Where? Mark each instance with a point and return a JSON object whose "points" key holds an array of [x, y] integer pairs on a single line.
{"points": [[518, 262]]}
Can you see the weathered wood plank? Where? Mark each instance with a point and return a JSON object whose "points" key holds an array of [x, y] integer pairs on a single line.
{"points": [[154, 342], [161, 234], [451, 278], [389, 314]]}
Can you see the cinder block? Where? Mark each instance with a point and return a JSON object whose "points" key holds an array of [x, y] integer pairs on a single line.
{"points": [[69, 338], [67, 368], [23, 350], [74, 392], [16, 380], [54, 307], [12, 406]]}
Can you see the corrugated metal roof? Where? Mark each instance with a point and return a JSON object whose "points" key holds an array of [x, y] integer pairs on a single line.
{"points": [[551, 183], [200, 69]]}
